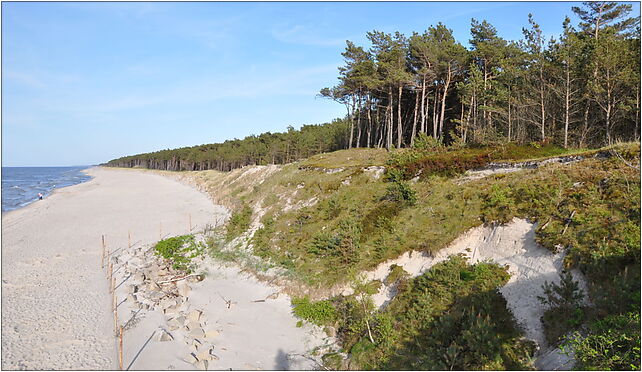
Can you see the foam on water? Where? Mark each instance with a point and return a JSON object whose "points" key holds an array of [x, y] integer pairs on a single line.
{"points": [[21, 185]]}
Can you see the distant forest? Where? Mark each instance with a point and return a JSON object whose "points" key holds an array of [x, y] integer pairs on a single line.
{"points": [[577, 90], [267, 148]]}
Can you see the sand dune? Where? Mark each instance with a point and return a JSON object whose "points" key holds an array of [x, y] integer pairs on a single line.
{"points": [[57, 306]]}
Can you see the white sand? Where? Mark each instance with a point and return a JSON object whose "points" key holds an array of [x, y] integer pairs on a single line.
{"points": [[55, 303], [55, 300]]}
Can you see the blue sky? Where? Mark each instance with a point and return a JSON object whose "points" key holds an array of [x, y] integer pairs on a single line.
{"points": [[84, 83]]}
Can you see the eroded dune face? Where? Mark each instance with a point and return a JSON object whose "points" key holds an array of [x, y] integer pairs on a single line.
{"points": [[529, 264]]}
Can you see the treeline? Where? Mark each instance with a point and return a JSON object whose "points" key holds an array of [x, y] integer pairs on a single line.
{"points": [[579, 89], [267, 148]]}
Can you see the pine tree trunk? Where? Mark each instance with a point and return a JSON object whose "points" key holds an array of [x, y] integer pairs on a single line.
{"points": [[399, 123], [359, 121], [541, 103], [434, 115], [567, 109], [414, 121], [423, 106], [510, 121], [443, 104], [369, 104]]}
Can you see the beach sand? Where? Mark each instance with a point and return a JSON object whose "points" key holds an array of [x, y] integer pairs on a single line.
{"points": [[56, 305]]}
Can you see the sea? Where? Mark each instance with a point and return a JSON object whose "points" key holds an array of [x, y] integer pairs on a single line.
{"points": [[21, 185]]}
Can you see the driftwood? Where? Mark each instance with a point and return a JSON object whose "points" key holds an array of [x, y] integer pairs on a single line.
{"points": [[177, 279]]}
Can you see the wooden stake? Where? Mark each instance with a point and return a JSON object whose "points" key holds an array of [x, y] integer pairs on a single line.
{"points": [[129, 239], [102, 260], [190, 222], [115, 316], [120, 348], [111, 271], [113, 285]]}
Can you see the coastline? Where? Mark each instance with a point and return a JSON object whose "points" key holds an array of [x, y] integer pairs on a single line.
{"points": [[57, 302], [30, 202]]}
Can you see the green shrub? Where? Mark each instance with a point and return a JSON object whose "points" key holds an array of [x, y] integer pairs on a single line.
{"points": [[262, 237], [426, 142], [564, 296], [612, 343], [396, 274], [401, 192], [320, 312], [179, 250], [498, 205], [239, 222]]}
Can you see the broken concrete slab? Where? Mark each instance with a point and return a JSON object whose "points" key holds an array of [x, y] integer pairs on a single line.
{"points": [[202, 365], [197, 332], [163, 335], [212, 333], [194, 315], [183, 289]]}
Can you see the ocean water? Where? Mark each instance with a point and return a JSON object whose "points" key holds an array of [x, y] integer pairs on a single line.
{"points": [[21, 185]]}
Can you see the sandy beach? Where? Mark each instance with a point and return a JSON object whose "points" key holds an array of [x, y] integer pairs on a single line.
{"points": [[56, 306]]}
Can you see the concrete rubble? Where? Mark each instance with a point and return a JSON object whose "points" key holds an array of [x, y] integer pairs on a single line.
{"points": [[153, 285]]}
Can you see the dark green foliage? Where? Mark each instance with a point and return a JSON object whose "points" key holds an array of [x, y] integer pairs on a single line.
{"points": [[342, 246], [179, 250], [499, 201], [439, 321], [564, 296], [266, 148], [401, 192], [320, 312], [612, 343], [565, 311], [262, 237], [239, 222]]}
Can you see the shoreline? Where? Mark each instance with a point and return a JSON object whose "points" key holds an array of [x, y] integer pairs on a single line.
{"points": [[28, 203], [57, 302], [55, 299]]}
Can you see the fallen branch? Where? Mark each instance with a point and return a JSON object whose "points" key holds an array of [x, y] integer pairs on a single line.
{"points": [[568, 222], [546, 224], [177, 279], [621, 158]]}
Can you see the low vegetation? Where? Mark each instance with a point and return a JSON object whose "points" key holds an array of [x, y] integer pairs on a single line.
{"points": [[324, 226], [451, 318], [179, 251]]}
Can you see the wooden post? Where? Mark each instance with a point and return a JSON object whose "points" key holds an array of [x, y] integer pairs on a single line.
{"points": [[111, 271], [102, 259], [113, 285], [129, 239], [190, 222], [115, 315], [120, 348]]}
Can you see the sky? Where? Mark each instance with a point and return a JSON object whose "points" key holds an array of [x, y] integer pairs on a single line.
{"points": [[84, 83]]}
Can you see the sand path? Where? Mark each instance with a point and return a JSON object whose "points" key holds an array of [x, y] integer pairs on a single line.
{"points": [[55, 303]]}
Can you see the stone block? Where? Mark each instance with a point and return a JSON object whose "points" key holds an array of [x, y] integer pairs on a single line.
{"points": [[194, 315]]}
